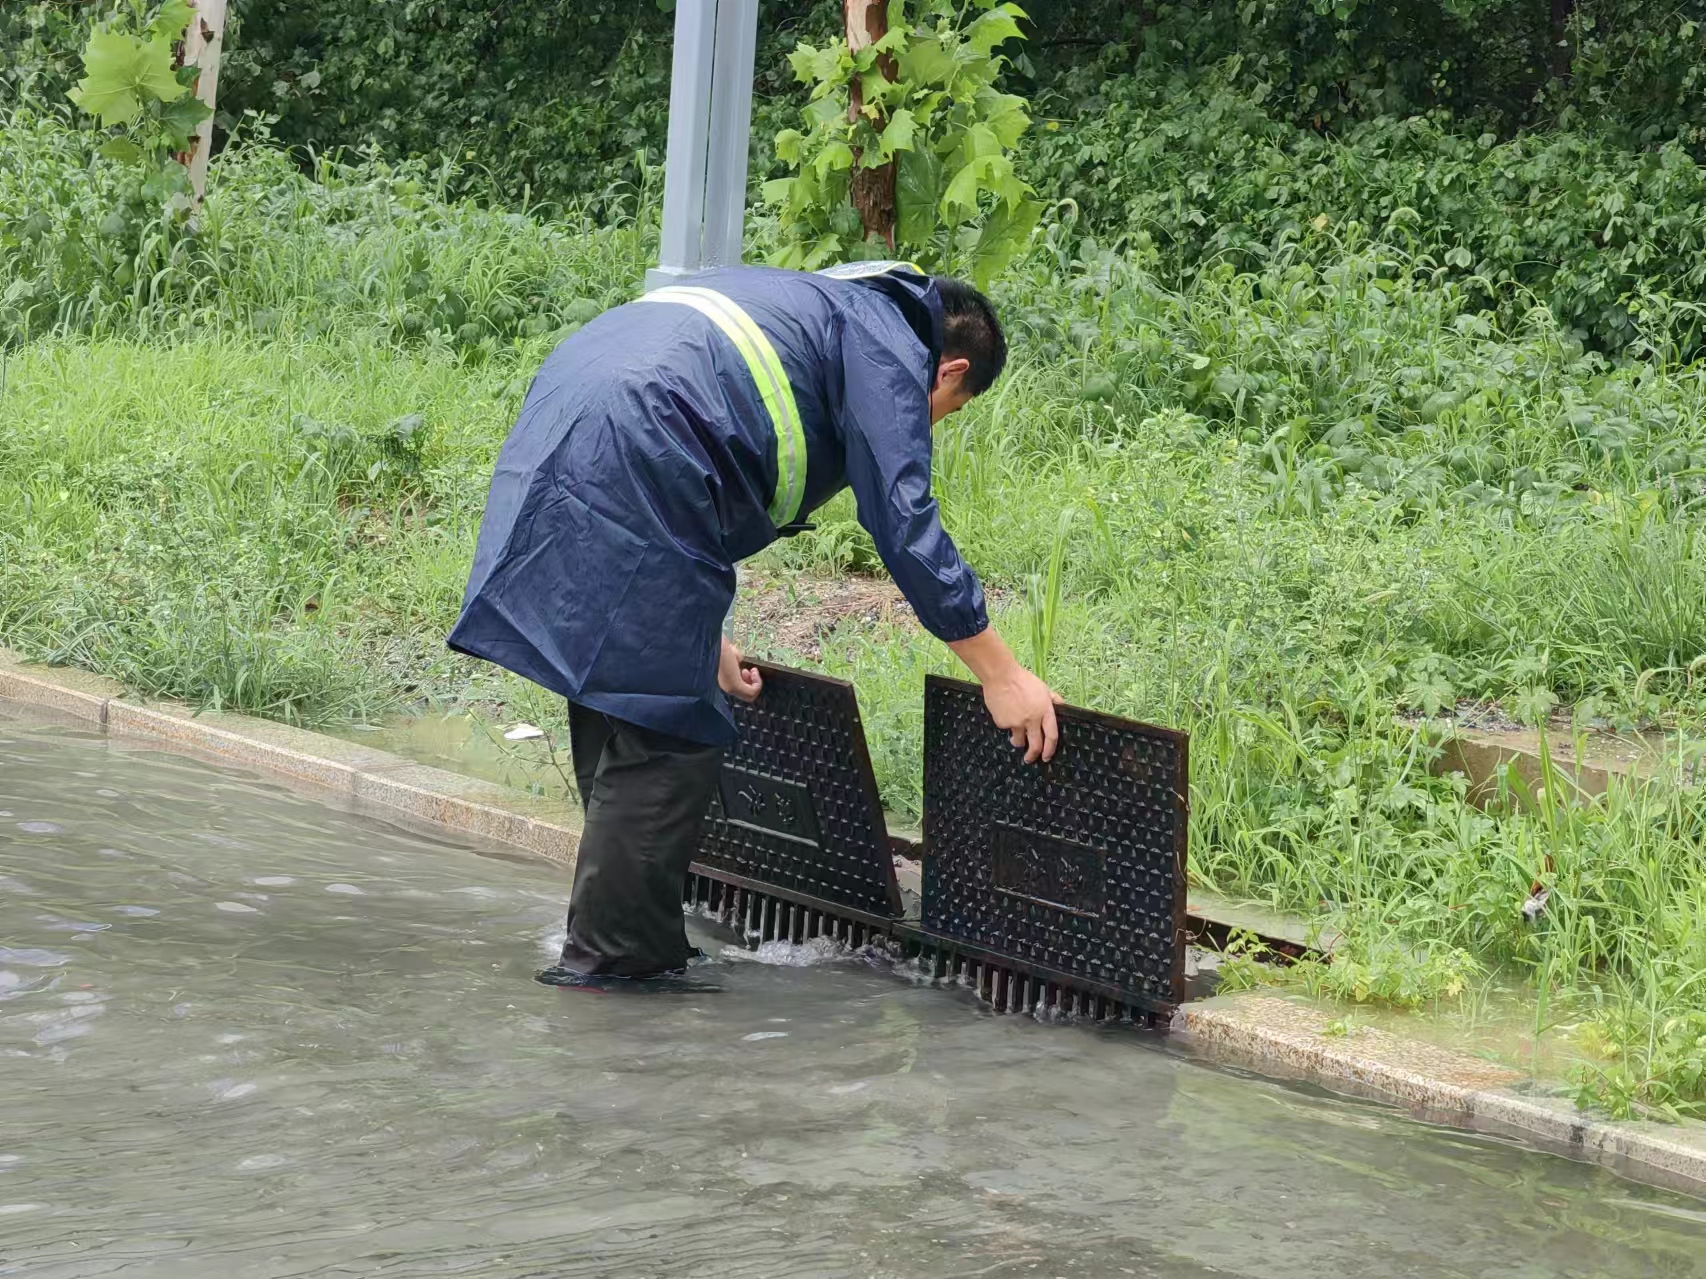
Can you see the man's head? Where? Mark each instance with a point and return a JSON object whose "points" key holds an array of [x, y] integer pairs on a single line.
{"points": [[973, 348]]}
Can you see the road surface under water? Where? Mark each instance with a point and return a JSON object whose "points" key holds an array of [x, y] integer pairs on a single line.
{"points": [[243, 1034]]}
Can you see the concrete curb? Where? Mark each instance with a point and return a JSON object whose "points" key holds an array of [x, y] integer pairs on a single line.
{"points": [[1280, 1036], [382, 784], [1273, 1036]]}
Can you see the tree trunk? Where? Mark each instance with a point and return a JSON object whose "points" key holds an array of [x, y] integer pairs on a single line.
{"points": [[1559, 34], [204, 38], [873, 191]]}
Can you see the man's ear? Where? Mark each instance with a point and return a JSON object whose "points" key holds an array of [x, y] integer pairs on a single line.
{"points": [[951, 372]]}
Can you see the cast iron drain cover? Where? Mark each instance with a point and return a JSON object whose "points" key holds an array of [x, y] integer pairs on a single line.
{"points": [[1074, 869], [796, 811]]}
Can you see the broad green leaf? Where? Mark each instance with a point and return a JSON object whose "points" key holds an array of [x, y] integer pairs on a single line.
{"points": [[878, 91], [824, 252], [893, 41], [823, 111], [789, 144], [833, 61], [991, 29], [1002, 183], [802, 59], [122, 73], [1004, 235], [844, 221], [918, 186], [181, 118], [837, 155], [980, 141], [156, 76], [959, 201], [992, 173], [121, 149], [924, 107], [897, 135], [169, 24], [1005, 116], [926, 62], [776, 190]]}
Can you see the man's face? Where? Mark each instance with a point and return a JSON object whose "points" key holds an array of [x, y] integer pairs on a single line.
{"points": [[949, 394]]}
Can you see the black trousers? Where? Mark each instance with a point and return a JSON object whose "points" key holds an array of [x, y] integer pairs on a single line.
{"points": [[644, 795]]}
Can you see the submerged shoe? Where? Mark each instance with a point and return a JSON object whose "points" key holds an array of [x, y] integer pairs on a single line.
{"points": [[569, 979], [674, 981]]}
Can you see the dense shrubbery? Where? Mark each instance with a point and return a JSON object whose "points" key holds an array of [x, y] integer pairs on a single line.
{"points": [[1635, 68], [1201, 173], [551, 100], [557, 96], [1213, 133]]}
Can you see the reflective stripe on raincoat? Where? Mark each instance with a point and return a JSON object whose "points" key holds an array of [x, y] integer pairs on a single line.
{"points": [[671, 438]]}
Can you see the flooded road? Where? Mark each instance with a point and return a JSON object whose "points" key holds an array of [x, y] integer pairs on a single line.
{"points": [[242, 1034]]}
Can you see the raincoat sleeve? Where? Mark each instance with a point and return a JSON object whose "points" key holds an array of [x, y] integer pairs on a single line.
{"points": [[885, 421]]}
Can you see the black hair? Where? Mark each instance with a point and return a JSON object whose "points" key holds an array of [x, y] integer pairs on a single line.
{"points": [[971, 332]]}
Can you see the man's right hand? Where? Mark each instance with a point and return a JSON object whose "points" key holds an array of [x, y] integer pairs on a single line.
{"points": [[1017, 700], [1024, 706]]}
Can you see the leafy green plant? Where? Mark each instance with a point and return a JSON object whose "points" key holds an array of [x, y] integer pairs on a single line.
{"points": [[134, 87], [939, 119], [1659, 1061]]}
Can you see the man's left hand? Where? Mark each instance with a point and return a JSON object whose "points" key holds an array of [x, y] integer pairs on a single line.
{"points": [[735, 680]]}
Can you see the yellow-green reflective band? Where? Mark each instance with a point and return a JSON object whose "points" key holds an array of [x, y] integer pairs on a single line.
{"points": [[773, 388]]}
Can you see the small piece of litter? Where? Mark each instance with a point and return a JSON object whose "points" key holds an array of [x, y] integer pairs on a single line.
{"points": [[523, 733], [236, 908], [765, 1034], [349, 890]]}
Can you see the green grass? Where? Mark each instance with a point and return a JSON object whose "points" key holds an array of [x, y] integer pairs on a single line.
{"points": [[1305, 504]]}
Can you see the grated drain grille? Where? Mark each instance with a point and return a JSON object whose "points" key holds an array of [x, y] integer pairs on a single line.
{"points": [[1073, 870], [796, 809], [1051, 891]]}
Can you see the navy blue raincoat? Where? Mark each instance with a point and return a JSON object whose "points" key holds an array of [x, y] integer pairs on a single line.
{"points": [[656, 449]]}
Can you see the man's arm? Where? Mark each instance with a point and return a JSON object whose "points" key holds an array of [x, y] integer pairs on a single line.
{"points": [[886, 427]]}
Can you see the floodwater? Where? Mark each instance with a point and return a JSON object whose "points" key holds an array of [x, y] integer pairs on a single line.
{"points": [[242, 1034]]}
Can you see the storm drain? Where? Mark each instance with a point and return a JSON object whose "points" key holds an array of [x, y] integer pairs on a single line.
{"points": [[1069, 874], [1049, 890], [796, 814]]}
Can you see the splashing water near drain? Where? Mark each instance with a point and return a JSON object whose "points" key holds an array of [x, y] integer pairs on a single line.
{"points": [[384, 1071], [785, 954]]}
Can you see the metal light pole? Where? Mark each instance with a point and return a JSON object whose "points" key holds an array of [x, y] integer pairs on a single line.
{"points": [[710, 123]]}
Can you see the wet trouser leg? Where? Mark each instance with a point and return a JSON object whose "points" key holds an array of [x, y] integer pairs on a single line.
{"points": [[644, 795]]}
